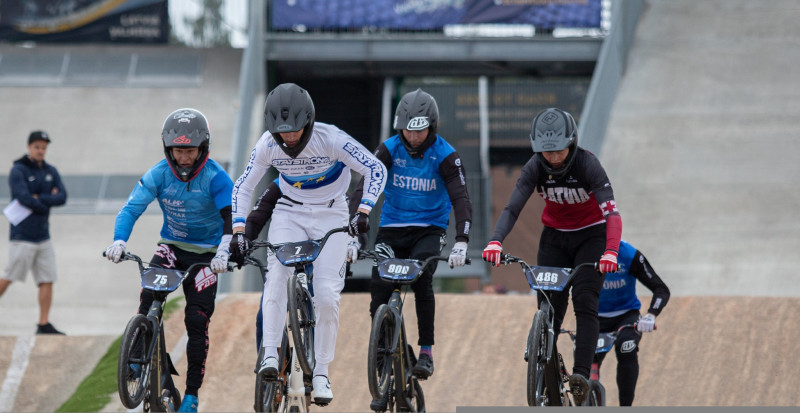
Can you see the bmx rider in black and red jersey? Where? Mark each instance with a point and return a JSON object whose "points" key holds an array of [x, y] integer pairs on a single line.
{"points": [[581, 224]]}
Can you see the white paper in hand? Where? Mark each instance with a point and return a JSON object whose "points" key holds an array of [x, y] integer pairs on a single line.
{"points": [[16, 212]]}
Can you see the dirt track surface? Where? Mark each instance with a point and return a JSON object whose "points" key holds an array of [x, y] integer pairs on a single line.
{"points": [[707, 351]]}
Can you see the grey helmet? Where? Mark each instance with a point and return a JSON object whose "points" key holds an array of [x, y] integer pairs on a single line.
{"points": [[417, 110], [289, 108], [554, 130], [186, 128]]}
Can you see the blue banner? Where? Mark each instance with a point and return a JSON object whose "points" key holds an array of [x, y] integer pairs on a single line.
{"points": [[431, 14], [119, 21]]}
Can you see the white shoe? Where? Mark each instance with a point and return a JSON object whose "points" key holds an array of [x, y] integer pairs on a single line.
{"points": [[322, 393], [269, 367]]}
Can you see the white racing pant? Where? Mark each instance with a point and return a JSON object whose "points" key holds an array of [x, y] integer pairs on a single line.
{"points": [[292, 223]]}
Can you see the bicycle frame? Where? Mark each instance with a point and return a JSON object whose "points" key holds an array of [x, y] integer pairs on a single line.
{"points": [[301, 256]]}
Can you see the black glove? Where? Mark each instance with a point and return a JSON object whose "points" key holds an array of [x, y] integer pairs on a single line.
{"points": [[359, 224], [240, 245]]}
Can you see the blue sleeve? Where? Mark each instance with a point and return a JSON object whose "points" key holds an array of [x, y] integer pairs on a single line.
{"points": [[221, 189], [142, 195]]}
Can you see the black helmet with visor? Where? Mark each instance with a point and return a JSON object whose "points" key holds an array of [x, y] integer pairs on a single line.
{"points": [[554, 130], [416, 111], [186, 128], [289, 108]]}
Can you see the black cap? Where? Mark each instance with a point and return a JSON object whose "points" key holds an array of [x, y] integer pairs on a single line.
{"points": [[38, 136]]}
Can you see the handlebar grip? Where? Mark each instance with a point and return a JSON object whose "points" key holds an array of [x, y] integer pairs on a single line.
{"points": [[104, 253]]}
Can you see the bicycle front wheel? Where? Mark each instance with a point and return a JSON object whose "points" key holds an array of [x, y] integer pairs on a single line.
{"points": [[132, 370], [537, 361], [301, 322], [379, 356]]}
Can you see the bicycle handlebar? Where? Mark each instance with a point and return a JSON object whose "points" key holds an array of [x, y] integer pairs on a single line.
{"points": [[256, 244], [508, 259], [129, 256], [423, 263]]}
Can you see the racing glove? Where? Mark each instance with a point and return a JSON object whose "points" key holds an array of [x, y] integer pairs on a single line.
{"points": [[359, 224], [608, 262], [239, 246], [492, 252], [219, 263], [458, 255], [116, 250], [647, 323], [352, 250]]}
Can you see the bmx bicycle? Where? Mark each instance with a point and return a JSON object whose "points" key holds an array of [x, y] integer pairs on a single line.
{"points": [[144, 367], [390, 358], [547, 374], [290, 391]]}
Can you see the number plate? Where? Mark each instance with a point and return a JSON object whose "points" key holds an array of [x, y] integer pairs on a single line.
{"points": [[547, 278], [399, 270], [604, 342], [161, 279], [295, 253]]}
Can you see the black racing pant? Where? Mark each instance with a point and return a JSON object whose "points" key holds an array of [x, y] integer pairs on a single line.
{"points": [[568, 249], [200, 290], [418, 243], [626, 347]]}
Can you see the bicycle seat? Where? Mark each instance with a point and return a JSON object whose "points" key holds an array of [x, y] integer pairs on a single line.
{"points": [[301, 252], [400, 271], [162, 279]]}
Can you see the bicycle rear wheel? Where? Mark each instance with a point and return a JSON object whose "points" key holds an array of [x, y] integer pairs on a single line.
{"points": [[597, 394], [411, 399], [379, 356], [301, 323], [269, 393], [163, 395], [132, 371]]}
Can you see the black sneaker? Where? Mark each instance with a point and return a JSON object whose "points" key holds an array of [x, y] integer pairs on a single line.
{"points": [[424, 367], [47, 329], [579, 387]]}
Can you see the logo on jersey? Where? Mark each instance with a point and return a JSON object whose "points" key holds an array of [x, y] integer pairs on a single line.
{"points": [[376, 173], [418, 123], [316, 160], [609, 207], [561, 195], [400, 163], [614, 284], [414, 183]]}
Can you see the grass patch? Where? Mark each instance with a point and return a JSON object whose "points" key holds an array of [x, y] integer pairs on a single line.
{"points": [[97, 389]]}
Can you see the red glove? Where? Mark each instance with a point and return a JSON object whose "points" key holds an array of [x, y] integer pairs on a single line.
{"points": [[608, 262], [491, 253]]}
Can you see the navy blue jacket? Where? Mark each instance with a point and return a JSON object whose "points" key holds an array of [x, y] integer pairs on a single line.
{"points": [[26, 180]]}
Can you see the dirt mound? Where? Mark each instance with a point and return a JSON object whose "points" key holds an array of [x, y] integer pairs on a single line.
{"points": [[707, 351]]}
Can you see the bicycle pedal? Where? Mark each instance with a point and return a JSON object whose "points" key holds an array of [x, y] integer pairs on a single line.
{"points": [[379, 405]]}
